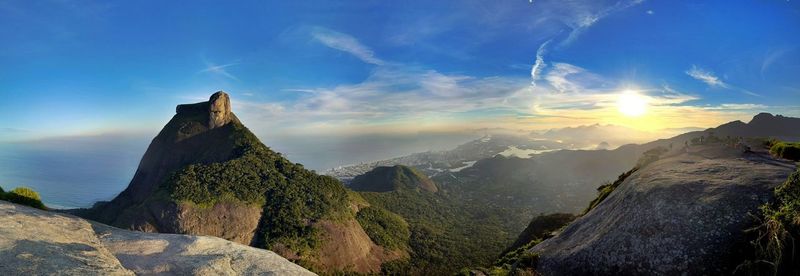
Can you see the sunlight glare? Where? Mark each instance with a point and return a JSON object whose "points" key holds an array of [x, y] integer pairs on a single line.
{"points": [[631, 104]]}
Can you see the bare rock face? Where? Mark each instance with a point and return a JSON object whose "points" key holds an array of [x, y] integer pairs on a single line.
{"points": [[36, 242], [681, 215], [184, 140], [219, 110]]}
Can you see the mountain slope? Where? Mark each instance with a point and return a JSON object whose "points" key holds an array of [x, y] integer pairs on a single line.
{"points": [[206, 173], [36, 242], [385, 179], [434, 226], [684, 213]]}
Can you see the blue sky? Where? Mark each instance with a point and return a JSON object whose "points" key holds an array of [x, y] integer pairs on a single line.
{"points": [[330, 68]]}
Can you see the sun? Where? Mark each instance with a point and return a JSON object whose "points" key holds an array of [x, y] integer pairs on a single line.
{"points": [[631, 104]]}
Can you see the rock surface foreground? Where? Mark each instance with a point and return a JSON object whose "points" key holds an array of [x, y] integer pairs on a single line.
{"points": [[36, 242], [683, 214]]}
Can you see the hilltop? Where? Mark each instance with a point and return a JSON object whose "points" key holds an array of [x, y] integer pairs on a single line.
{"points": [[385, 179], [205, 173]]}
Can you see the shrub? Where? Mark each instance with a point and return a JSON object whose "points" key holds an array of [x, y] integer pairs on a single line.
{"points": [[540, 228], [605, 190], [775, 249], [650, 156], [786, 150], [528, 260], [25, 196]]}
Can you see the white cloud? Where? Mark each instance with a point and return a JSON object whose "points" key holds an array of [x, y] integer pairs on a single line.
{"points": [[584, 14], [746, 106], [394, 94], [538, 66], [345, 43], [771, 57], [557, 77], [564, 77], [220, 70], [712, 80], [707, 77]]}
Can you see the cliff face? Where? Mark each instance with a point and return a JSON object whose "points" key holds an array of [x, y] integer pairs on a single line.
{"points": [[186, 139], [36, 242], [682, 214], [199, 133], [207, 174]]}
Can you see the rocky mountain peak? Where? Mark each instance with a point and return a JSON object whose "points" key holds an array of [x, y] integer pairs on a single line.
{"points": [[219, 109], [763, 116]]}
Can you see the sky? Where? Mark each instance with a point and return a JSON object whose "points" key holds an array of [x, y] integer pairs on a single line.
{"points": [[335, 69]]}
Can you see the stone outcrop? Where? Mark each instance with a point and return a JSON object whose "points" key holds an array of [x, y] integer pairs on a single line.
{"points": [[36, 242], [198, 133], [684, 214], [219, 110], [208, 134]]}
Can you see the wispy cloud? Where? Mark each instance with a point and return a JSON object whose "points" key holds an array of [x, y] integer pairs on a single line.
{"points": [[398, 96], [220, 70], [578, 16], [345, 43], [586, 15], [770, 58], [565, 77], [705, 76], [538, 65], [712, 80], [745, 106]]}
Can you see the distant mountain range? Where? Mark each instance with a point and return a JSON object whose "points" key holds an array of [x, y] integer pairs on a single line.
{"points": [[503, 192], [588, 135], [434, 163]]}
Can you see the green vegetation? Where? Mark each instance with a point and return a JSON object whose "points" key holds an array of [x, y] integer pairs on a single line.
{"points": [[385, 179], [384, 228], [650, 156], [540, 227], [774, 244], [23, 196], [445, 234], [605, 190], [292, 197], [786, 150], [517, 257]]}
